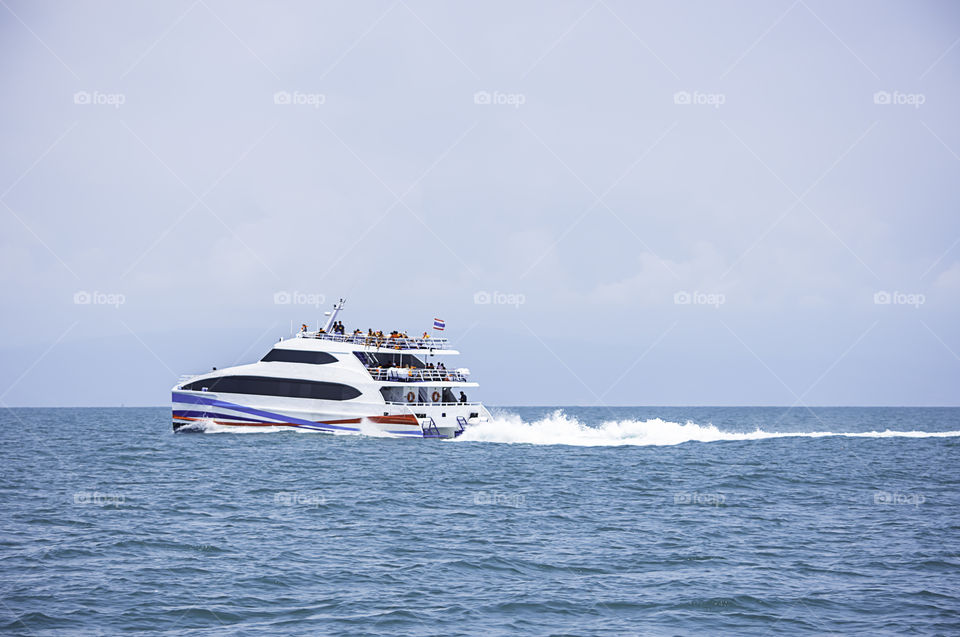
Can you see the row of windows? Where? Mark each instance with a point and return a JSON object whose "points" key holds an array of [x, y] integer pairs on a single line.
{"points": [[266, 386], [389, 359], [299, 356]]}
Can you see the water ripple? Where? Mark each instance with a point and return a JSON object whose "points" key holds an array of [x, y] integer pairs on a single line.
{"points": [[636, 521]]}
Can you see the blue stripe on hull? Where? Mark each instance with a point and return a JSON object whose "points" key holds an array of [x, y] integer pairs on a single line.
{"points": [[212, 414], [213, 402], [222, 404]]}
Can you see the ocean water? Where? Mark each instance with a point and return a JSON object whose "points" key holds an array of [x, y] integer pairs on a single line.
{"points": [[587, 521]]}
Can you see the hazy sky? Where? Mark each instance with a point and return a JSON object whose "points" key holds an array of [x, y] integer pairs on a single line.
{"points": [[661, 203]]}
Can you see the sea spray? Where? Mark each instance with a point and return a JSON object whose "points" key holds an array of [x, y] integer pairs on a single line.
{"points": [[559, 428]]}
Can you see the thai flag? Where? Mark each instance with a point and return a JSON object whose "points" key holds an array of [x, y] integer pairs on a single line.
{"points": [[438, 324]]}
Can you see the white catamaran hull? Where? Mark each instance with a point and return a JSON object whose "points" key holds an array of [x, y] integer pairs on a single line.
{"points": [[192, 409]]}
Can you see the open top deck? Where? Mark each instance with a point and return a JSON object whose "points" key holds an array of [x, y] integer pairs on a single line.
{"points": [[381, 342]]}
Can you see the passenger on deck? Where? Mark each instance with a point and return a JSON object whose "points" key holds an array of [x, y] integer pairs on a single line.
{"points": [[463, 398], [425, 335], [303, 327]]}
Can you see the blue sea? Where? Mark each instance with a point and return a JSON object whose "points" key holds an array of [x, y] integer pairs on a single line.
{"points": [[548, 521]]}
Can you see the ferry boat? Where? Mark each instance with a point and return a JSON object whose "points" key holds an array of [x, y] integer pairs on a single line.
{"points": [[337, 383]]}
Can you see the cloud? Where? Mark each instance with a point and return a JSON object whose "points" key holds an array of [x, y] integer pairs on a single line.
{"points": [[655, 280]]}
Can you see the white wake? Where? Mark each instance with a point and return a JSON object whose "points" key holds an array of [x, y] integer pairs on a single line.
{"points": [[560, 429], [208, 426]]}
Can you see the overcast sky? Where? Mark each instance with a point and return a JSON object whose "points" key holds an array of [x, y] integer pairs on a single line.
{"points": [[722, 203]]}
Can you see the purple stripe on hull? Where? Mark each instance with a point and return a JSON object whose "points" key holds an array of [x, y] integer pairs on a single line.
{"points": [[212, 414], [213, 402]]}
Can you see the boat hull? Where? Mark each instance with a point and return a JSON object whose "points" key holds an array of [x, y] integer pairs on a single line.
{"points": [[194, 411]]}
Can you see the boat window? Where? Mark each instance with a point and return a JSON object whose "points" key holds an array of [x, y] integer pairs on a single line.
{"points": [[266, 386], [386, 359], [299, 356], [393, 394]]}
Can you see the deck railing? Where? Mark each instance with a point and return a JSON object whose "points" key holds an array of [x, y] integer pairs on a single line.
{"points": [[381, 342], [417, 375]]}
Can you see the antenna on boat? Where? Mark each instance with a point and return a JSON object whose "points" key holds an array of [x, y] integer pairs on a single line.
{"points": [[333, 315]]}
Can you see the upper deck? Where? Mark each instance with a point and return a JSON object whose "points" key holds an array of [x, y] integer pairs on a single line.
{"points": [[383, 342]]}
